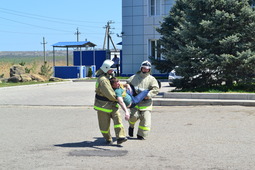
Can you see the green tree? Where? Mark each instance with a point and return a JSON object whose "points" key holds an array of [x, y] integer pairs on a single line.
{"points": [[90, 72], [211, 42], [46, 70], [252, 2]]}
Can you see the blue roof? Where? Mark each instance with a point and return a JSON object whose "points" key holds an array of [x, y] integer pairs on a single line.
{"points": [[74, 44]]}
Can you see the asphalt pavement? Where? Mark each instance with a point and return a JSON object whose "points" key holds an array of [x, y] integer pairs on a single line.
{"points": [[54, 126]]}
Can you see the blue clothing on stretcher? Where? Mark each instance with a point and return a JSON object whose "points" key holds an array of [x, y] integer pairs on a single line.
{"points": [[129, 98]]}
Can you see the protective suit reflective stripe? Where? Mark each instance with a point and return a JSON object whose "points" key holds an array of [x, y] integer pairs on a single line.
{"points": [[144, 128], [143, 107], [103, 109], [117, 126], [104, 131], [132, 122]]}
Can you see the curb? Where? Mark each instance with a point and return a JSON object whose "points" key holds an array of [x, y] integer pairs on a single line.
{"points": [[194, 99], [221, 96], [197, 102]]}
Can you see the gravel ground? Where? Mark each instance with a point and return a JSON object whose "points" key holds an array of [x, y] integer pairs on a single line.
{"points": [[181, 138]]}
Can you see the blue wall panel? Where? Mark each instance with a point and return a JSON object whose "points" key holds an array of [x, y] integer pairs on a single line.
{"points": [[89, 58], [68, 72]]}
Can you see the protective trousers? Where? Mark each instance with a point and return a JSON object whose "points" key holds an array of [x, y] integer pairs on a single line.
{"points": [[104, 120], [145, 121], [139, 97]]}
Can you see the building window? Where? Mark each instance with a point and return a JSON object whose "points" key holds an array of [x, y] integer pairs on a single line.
{"points": [[155, 49], [154, 7]]}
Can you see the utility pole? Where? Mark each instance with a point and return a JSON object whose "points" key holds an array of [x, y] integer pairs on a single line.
{"points": [[108, 38], [44, 53], [77, 33]]}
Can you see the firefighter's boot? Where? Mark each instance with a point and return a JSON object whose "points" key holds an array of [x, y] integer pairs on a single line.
{"points": [[131, 131]]}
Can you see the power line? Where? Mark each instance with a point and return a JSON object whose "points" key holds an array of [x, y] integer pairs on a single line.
{"points": [[14, 32], [29, 33], [42, 19], [34, 25], [40, 16], [86, 26], [8, 14]]}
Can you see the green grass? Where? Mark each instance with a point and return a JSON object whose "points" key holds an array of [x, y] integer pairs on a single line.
{"points": [[22, 83]]}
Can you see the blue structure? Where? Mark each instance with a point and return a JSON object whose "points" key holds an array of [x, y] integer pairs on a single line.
{"points": [[93, 69], [70, 72], [89, 58], [82, 60], [77, 71], [92, 58]]}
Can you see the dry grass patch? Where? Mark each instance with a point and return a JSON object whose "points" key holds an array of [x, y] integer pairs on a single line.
{"points": [[32, 67]]}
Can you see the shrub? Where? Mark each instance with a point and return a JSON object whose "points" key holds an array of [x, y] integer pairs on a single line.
{"points": [[27, 70], [90, 72], [22, 63], [46, 70]]}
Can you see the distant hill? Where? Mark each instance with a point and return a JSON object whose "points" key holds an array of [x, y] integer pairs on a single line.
{"points": [[10, 54]]}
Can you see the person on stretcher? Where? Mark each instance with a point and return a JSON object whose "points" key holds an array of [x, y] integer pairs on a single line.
{"points": [[126, 96]]}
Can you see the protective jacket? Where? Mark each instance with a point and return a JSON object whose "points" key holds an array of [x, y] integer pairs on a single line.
{"points": [[105, 99], [144, 81]]}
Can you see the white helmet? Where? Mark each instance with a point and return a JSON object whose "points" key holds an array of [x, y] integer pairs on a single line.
{"points": [[106, 66], [146, 64]]}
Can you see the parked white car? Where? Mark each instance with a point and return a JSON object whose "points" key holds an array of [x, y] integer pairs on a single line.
{"points": [[172, 76]]}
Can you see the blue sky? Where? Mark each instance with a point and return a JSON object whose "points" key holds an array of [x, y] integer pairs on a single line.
{"points": [[24, 23]]}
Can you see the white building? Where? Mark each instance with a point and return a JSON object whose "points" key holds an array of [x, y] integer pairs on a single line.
{"points": [[140, 18]]}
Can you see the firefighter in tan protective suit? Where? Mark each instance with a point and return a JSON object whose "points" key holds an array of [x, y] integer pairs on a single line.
{"points": [[142, 80], [106, 105]]}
